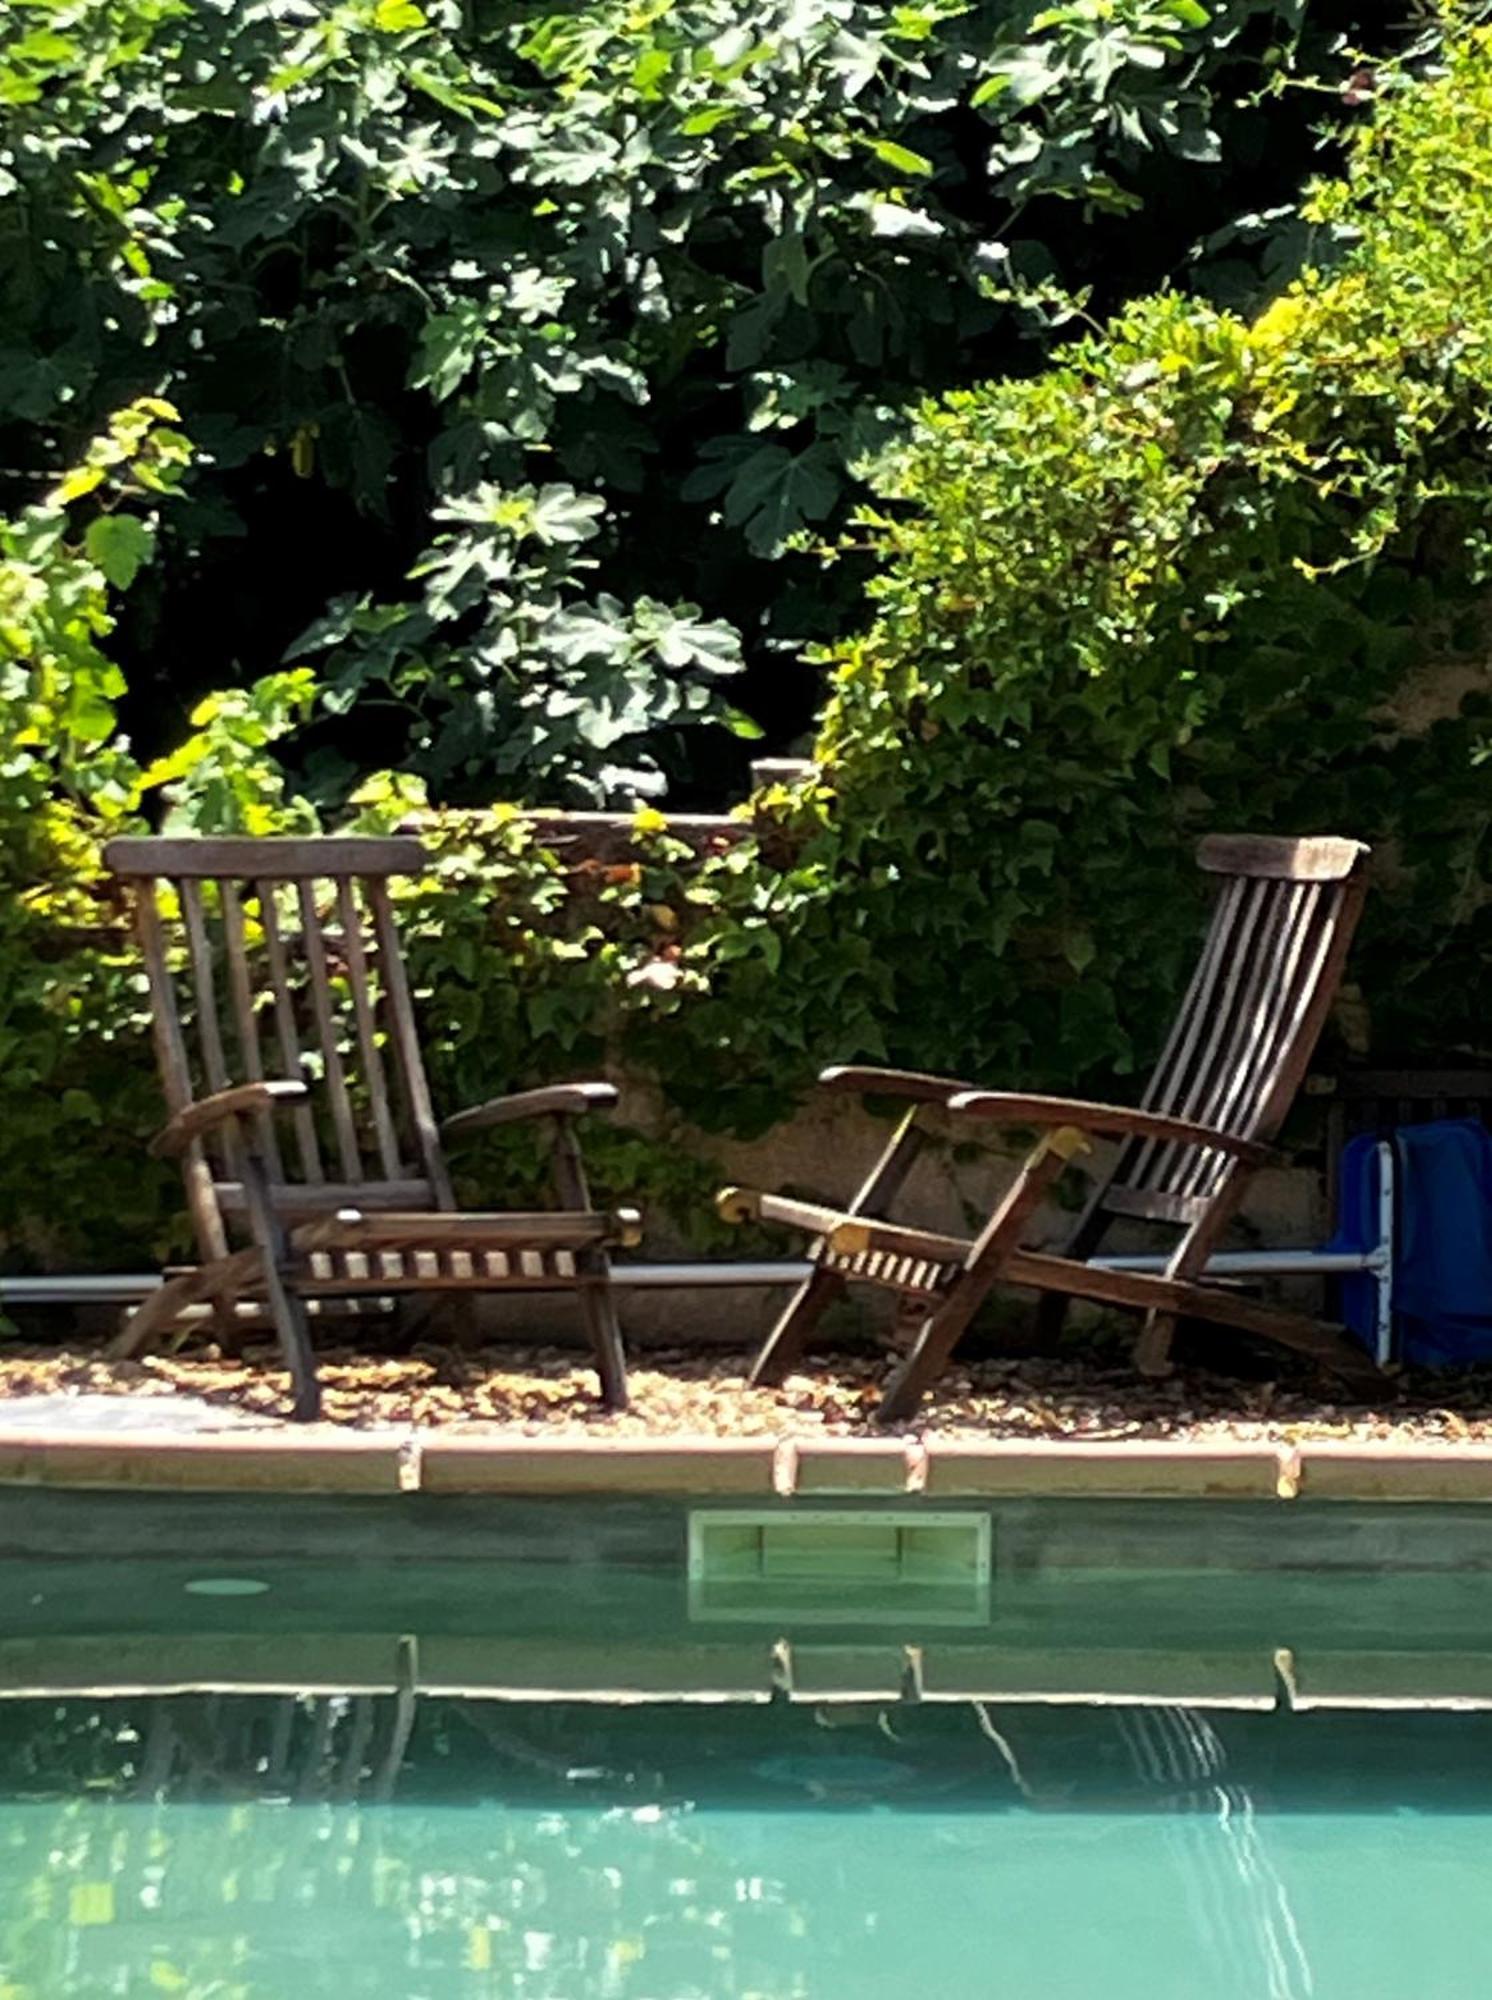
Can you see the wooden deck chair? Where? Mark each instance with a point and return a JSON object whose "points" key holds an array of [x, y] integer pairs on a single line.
{"points": [[318, 1171], [1268, 973]]}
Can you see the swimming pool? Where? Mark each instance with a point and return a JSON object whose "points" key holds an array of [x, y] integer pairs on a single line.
{"points": [[260, 1748]]}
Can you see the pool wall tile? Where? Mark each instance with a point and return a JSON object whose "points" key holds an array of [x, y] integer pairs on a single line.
{"points": [[122, 1663], [1129, 1470], [1228, 1679], [600, 1669], [853, 1465], [845, 1673], [694, 1466], [332, 1462], [1366, 1679], [1395, 1472]]}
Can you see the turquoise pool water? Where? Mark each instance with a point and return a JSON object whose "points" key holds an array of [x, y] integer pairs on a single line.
{"points": [[261, 1753], [859, 1868]]}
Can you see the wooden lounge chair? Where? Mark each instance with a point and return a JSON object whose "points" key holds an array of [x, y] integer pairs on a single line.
{"points": [[292, 943], [1269, 970]]}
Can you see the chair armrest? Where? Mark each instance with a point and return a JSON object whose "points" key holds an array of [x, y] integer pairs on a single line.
{"points": [[562, 1100], [1015, 1108], [194, 1121], [891, 1082]]}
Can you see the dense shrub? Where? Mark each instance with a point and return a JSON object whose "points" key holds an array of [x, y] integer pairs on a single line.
{"points": [[516, 341], [1207, 571], [73, 1062]]}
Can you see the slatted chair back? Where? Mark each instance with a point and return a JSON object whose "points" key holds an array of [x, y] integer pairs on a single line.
{"points": [[1268, 973], [279, 958]]}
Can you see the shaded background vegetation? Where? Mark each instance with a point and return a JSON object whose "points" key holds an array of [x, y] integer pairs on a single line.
{"points": [[516, 343]]}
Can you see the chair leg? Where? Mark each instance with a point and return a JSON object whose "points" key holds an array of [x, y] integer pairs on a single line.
{"points": [[598, 1304], [815, 1295], [148, 1321], [286, 1308], [1152, 1349], [1001, 1235], [597, 1300], [913, 1310], [929, 1356], [464, 1319], [794, 1325], [1052, 1307], [227, 1328], [1050, 1319]]}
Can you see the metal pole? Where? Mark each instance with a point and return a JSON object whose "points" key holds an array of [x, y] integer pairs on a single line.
{"points": [[124, 1288]]}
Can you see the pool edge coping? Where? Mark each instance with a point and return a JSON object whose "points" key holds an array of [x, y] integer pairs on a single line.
{"points": [[414, 1460]]}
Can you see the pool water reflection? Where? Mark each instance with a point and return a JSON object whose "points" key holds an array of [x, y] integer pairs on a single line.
{"points": [[256, 1749], [263, 1846]]}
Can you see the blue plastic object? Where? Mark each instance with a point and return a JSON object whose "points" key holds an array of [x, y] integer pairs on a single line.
{"points": [[1442, 1285]]}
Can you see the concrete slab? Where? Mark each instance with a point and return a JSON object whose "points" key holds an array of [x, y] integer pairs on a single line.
{"points": [[94, 1415], [450, 1463], [1350, 1471], [1121, 1470], [846, 1673], [850, 1465], [238, 1662], [327, 1461]]}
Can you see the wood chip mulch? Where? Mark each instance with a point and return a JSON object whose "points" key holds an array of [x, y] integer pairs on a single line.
{"points": [[547, 1392]]}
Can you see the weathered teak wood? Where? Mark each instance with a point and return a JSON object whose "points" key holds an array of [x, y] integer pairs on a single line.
{"points": [[281, 1005], [560, 1097], [1000, 1235], [243, 857], [1269, 969], [515, 1229], [596, 1301], [815, 1295], [844, 1231]]}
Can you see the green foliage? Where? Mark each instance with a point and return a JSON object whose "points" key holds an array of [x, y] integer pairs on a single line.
{"points": [[222, 779], [1207, 571], [69, 992], [80, 1093], [542, 689], [509, 336]]}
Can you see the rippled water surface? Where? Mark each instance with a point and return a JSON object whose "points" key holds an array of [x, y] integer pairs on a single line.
{"points": [[275, 1846], [481, 1752]]}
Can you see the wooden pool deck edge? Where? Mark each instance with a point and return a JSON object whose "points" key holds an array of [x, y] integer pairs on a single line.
{"points": [[330, 1461]]}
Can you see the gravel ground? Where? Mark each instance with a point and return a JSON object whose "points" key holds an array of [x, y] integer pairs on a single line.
{"points": [[547, 1392]]}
